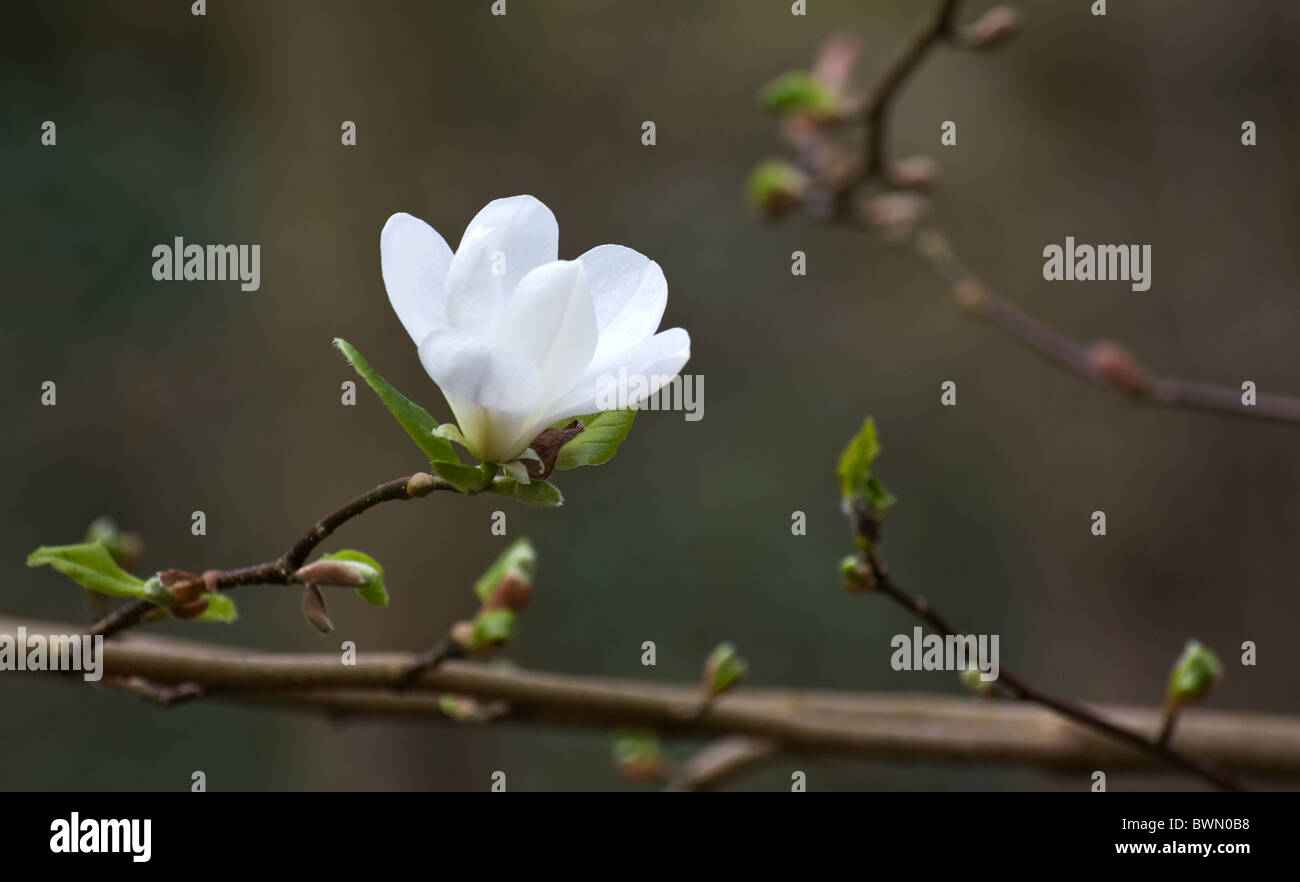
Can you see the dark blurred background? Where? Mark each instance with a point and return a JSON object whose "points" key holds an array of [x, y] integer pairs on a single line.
{"points": [[174, 397]]}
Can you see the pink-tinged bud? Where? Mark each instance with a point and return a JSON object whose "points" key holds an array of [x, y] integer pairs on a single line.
{"points": [[313, 609], [185, 587], [462, 634], [211, 581], [913, 173], [513, 593], [191, 610], [342, 573], [896, 213], [1116, 365], [994, 28]]}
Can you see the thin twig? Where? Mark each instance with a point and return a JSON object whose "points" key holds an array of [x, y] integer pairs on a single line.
{"points": [[720, 761], [868, 530], [1121, 371], [280, 571]]}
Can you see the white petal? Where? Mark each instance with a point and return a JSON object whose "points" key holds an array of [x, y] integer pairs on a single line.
{"points": [[550, 320], [656, 360], [504, 241], [475, 372], [415, 260], [629, 292]]}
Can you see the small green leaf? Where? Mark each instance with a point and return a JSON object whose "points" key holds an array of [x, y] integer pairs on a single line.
{"points": [[493, 627], [799, 90], [375, 591], [775, 186], [465, 478], [417, 422], [598, 442], [540, 493], [723, 669], [90, 565], [856, 480], [519, 557], [220, 609], [1196, 670]]}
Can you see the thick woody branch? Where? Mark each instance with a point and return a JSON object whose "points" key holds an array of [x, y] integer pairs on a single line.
{"points": [[892, 727]]}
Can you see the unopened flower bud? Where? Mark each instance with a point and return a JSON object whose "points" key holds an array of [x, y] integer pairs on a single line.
{"points": [[994, 28], [913, 173], [420, 484], [343, 573], [776, 187], [191, 610], [1115, 364], [723, 670], [514, 592], [896, 213], [1196, 670], [462, 634], [185, 587], [313, 609], [856, 575], [637, 757]]}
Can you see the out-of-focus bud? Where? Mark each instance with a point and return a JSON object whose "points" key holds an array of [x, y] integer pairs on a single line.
{"points": [[637, 756], [343, 573], [313, 609], [992, 29], [1195, 672], [798, 91], [775, 187], [462, 634], [856, 575], [514, 592], [461, 708], [723, 670], [493, 627], [125, 548], [971, 679], [191, 610], [895, 213], [913, 173], [1116, 365]]}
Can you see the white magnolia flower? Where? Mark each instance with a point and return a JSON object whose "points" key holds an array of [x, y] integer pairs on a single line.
{"points": [[515, 338]]}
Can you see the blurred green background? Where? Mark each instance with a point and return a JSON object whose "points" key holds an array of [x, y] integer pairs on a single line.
{"points": [[174, 397]]}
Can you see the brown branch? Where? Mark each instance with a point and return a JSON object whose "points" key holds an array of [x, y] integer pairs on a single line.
{"points": [[280, 571], [936, 29], [867, 529], [890, 727], [1102, 362], [720, 761]]}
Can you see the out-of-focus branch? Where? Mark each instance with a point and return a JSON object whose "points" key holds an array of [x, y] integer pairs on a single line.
{"points": [[280, 571], [1103, 361], [897, 727]]}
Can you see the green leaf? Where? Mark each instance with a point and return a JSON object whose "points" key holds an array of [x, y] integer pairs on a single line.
{"points": [[1196, 670], [220, 609], [799, 90], [723, 669], [465, 478], [90, 565], [375, 591], [417, 422], [598, 442], [540, 493], [775, 186], [493, 627], [519, 557], [856, 480]]}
